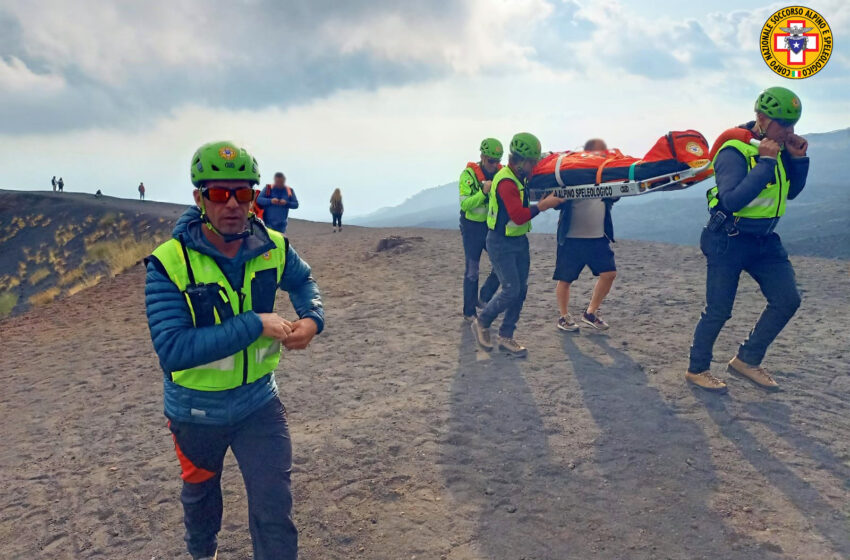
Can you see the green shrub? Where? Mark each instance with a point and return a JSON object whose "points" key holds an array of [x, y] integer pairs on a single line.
{"points": [[8, 300]]}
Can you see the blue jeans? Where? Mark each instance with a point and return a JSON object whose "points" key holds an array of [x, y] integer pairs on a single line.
{"points": [[474, 236], [263, 450], [511, 259], [762, 257]]}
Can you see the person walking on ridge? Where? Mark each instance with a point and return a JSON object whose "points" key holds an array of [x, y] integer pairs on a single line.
{"points": [[336, 209], [210, 301], [509, 216], [475, 186], [277, 200], [753, 184], [585, 234]]}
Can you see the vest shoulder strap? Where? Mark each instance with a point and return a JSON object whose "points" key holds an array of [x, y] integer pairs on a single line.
{"points": [[174, 258], [740, 134], [476, 170]]}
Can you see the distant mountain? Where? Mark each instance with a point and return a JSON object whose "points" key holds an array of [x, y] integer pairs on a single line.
{"points": [[817, 222]]}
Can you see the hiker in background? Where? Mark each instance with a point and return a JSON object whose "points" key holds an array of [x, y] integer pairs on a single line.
{"points": [[276, 201], [585, 234], [210, 300], [60, 184], [753, 184], [98, 194], [509, 218], [474, 185], [141, 191], [336, 209], [53, 182]]}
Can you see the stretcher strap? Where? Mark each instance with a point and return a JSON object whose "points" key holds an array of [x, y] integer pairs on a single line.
{"points": [[558, 169], [632, 169], [601, 168]]}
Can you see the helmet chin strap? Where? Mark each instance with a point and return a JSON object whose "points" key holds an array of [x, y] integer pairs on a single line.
{"points": [[227, 237]]}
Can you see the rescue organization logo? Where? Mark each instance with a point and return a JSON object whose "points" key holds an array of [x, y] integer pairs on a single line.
{"points": [[796, 42], [227, 153], [694, 148]]}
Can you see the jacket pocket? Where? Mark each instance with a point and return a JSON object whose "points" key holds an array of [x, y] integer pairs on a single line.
{"points": [[263, 290]]}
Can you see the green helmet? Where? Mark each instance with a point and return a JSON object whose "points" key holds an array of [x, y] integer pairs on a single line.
{"points": [[780, 104], [492, 148], [526, 145], [223, 160]]}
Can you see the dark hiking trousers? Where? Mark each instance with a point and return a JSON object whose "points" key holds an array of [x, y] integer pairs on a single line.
{"points": [[511, 259], [762, 257], [474, 236], [263, 450]]}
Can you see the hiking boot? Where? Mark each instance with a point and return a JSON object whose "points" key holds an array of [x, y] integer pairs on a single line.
{"points": [[756, 374], [567, 323], [512, 346], [593, 320], [704, 380], [482, 335]]}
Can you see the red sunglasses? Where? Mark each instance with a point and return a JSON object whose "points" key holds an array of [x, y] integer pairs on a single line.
{"points": [[222, 194]]}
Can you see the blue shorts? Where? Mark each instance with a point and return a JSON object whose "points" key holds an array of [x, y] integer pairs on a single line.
{"points": [[575, 254]]}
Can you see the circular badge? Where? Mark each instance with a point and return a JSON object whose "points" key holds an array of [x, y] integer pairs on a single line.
{"points": [[694, 148], [228, 153], [796, 42]]}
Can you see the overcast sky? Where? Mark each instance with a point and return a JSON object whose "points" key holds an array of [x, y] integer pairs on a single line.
{"points": [[380, 98]]}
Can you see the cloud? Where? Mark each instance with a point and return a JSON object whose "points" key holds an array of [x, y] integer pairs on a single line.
{"points": [[16, 78], [124, 63], [378, 98], [482, 36]]}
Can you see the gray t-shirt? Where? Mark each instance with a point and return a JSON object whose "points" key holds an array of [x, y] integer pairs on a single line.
{"points": [[587, 220]]}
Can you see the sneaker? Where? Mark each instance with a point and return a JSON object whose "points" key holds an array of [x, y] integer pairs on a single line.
{"points": [[756, 374], [482, 335], [512, 346], [566, 323], [704, 380], [470, 318], [593, 320]]}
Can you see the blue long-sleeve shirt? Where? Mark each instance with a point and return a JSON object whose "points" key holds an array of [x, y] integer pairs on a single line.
{"points": [[276, 216], [180, 345], [736, 187]]}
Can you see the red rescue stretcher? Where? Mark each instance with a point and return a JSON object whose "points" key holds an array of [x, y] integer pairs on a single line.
{"points": [[676, 161]]}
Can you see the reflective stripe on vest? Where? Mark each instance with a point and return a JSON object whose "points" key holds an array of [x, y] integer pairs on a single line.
{"points": [[496, 206], [770, 202], [258, 359]]}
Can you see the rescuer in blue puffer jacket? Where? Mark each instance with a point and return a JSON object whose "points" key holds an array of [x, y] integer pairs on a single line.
{"points": [[210, 294]]}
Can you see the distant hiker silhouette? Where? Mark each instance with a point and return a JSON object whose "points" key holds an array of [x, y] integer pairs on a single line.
{"points": [[53, 182], [336, 209], [60, 184], [141, 191]]}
